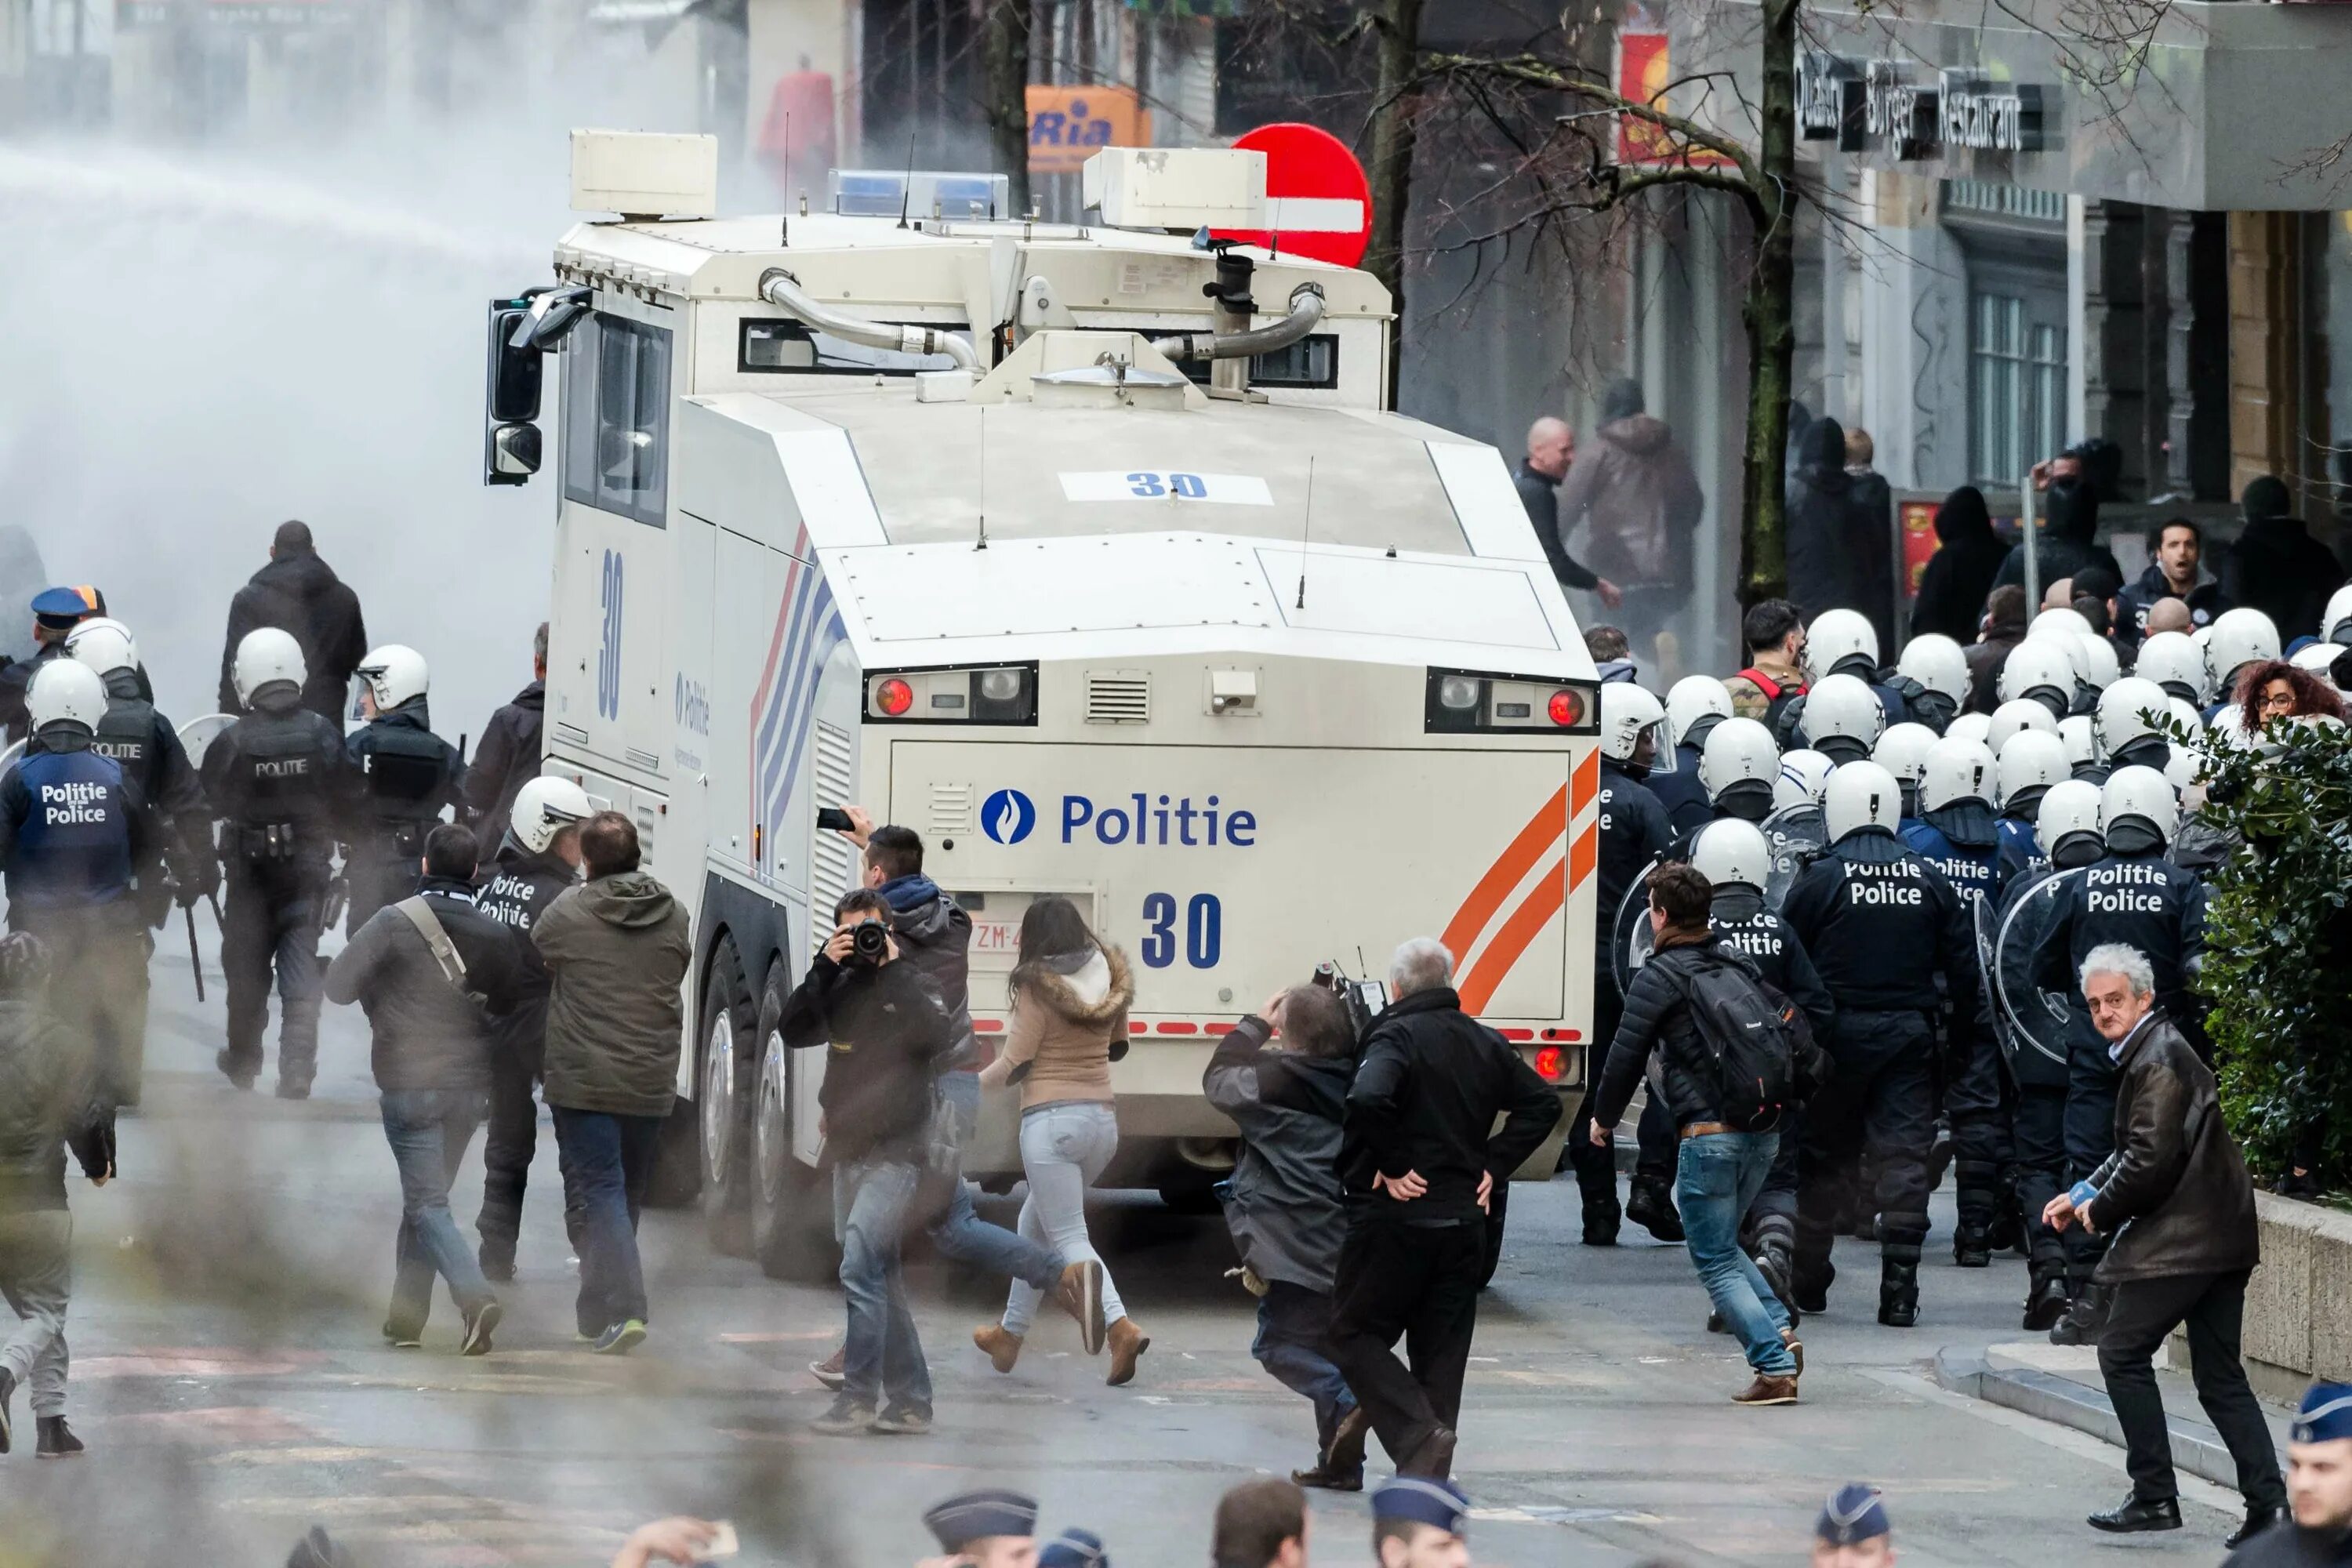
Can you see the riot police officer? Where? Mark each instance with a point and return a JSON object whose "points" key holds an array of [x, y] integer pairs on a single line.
{"points": [[1883, 929], [1902, 751], [2137, 897], [538, 858], [1841, 716], [1634, 832], [1933, 676], [55, 613], [1695, 706], [1740, 768], [74, 835], [1735, 860], [2067, 822], [407, 777], [2038, 669], [2175, 662], [280, 779], [2127, 726], [2028, 766], [1841, 642]]}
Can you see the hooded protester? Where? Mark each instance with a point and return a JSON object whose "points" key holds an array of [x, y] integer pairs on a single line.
{"points": [[508, 756], [1637, 492], [2276, 567], [1836, 559], [1968, 554], [2065, 540], [300, 594]]}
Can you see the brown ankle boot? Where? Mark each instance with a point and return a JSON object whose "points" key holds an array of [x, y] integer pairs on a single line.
{"points": [[1081, 1295], [1126, 1342], [1002, 1345]]}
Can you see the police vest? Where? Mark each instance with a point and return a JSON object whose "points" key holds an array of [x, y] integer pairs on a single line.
{"points": [[127, 734], [403, 771], [517, 892], [1973, 873], [278, 771], [73, 845]]}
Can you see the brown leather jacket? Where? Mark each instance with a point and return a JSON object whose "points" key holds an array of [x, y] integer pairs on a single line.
{"points": [[2175, 1193], [1640, 494]]}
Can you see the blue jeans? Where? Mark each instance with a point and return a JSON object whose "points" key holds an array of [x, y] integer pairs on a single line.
{"points": [[606, 1160], [1718, 1177], [883, 1356], [1065, 1147], [428, 1130], [1293, 1322], [961, 1235]]}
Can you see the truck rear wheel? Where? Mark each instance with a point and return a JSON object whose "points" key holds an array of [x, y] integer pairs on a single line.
{"points": [[723, 1102], [792, 1209]]}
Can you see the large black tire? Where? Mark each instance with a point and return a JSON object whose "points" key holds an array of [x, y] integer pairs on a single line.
{"points": [[725, 1071], [791, 1206], [677, 1162]]}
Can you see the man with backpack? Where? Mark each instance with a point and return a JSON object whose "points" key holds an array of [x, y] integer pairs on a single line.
{"points": [[1733, 1056]]}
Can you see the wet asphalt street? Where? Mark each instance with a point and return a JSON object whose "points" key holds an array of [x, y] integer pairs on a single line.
{"points": [[232, 1384]]}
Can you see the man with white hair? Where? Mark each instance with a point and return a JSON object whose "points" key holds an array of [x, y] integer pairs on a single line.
{"points": [[2176, 1197], [1419, 1161]]}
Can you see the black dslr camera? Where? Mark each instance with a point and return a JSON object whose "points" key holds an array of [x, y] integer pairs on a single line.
{"points": [[869, 942], [1362, 998]]}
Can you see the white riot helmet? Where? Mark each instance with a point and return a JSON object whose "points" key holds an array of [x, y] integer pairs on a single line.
{"points": [[1730, 852], [395, 674], [2012, 718], [1626, 710], [2238, 637], [2317, 657], [1957, 771], [1902, 751], [1937, 663], [2336, 621], [2069, 811], [1861, 795], [2031, 763], [1842, 718], [1976, 727], [2174, 662], [266, 656], [2188, 714], [1739, 751], [2130, 709], [543, 807], [2141, 798], [2183, 767], [102, 645], [2060, 623], [2229, 723], [1804, 776], [2082, 741], [65, 692], [2040, 669], [1690, 703], [2098, 665], [1835, 636]]}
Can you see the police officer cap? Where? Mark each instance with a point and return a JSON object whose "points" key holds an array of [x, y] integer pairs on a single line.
{"points": [[967, 1517], [1074, 1548], [60, 609], [2325, 1415], [1423, 1500], [1853, 1515]]}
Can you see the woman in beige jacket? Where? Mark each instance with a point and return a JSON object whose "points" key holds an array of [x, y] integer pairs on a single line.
{"points": [[1070, 998]]}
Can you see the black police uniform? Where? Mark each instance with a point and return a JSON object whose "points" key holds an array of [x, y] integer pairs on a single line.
{"points": [[280, 778], [2147, 752], [1788, 723], [2037, 1136], [514, 891], [1740, 919], [1635, 831], [407, 777], [73, 836], [2140, 900], [1881, 927]]}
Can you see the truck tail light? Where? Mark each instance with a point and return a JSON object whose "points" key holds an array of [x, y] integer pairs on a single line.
{"points": [[1551, 1062], [1566, 708], [1004, 694], [893, 695]]}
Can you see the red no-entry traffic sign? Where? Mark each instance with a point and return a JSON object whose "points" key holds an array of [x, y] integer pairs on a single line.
{"points": [[1321, 204]]}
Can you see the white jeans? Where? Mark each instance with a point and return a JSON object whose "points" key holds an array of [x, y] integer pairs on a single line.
{"points": [[1064, 1148]]}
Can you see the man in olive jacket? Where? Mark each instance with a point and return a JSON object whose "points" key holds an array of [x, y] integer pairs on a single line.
{"points": [[616, 949], [2176, 1197]]}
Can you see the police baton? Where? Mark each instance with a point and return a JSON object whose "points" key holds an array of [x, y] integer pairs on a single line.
{"points": [[195, 964]]}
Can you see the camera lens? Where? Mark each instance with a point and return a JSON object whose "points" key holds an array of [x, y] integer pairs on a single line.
{"points": [[869, 942]]}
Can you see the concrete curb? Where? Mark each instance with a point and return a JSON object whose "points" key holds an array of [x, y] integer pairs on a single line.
{"points": [[2197, 1449]]}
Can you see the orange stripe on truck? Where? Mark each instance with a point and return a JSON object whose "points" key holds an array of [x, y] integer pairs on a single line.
{"points": [[1542, 831], [1545, 900], [1586, 783], [1584, 856]]}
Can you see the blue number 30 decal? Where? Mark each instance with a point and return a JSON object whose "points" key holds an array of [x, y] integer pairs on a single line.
{"points": [[1205, 930], [608, 653], [1151, 486]]}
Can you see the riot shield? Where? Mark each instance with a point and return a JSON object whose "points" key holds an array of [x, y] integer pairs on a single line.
{"points": [[1988, 935], [2030, 1018], [1796, 835], [1629, 928], [8, 758], [198, 734]]}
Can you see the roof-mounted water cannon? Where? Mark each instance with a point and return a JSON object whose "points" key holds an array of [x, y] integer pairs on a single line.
{"points": [[781, 289]]}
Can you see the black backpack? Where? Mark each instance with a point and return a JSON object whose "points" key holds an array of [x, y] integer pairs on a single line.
{"points": [[1753, 1036]]}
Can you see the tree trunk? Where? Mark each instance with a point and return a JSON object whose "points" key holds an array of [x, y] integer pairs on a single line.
{"points": [[1769, 312], [1006, 79], [1396, 34]]}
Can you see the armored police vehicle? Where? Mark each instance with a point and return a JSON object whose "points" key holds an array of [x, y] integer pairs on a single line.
{"points": [[1088, 553]]}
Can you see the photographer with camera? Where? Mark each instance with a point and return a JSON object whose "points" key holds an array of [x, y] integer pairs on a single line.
{"points": [[1285, 1205], [886, 1033]]}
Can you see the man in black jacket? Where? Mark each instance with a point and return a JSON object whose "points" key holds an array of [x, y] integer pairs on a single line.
{"points": [[300, 594], [2176, 1180], [430, 971], [1420, 1161], [2276, 567], [1285, 1205], [508, 757], [2174, 574], [2318, 1489], [1722, 1166], [885, 1035], [1551, 447]]}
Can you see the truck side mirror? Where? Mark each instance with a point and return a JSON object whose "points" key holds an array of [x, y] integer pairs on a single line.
{"points": [[510, 448]]}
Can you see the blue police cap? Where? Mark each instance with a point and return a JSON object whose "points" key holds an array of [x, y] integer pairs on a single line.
{"points": [[2325, 1415], [1424, 1500], [1074, 1548], [1853, 1515], [62, 607], [967, 1517]]}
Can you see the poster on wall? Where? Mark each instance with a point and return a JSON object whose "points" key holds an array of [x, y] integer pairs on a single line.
{"points": [[1644, 75]]}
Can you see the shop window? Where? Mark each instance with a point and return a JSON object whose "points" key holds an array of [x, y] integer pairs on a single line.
{"points": [[616, 417], [2017, 386]]}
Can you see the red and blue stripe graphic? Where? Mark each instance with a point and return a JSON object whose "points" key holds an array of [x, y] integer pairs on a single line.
{"points": [[808, 628]]}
